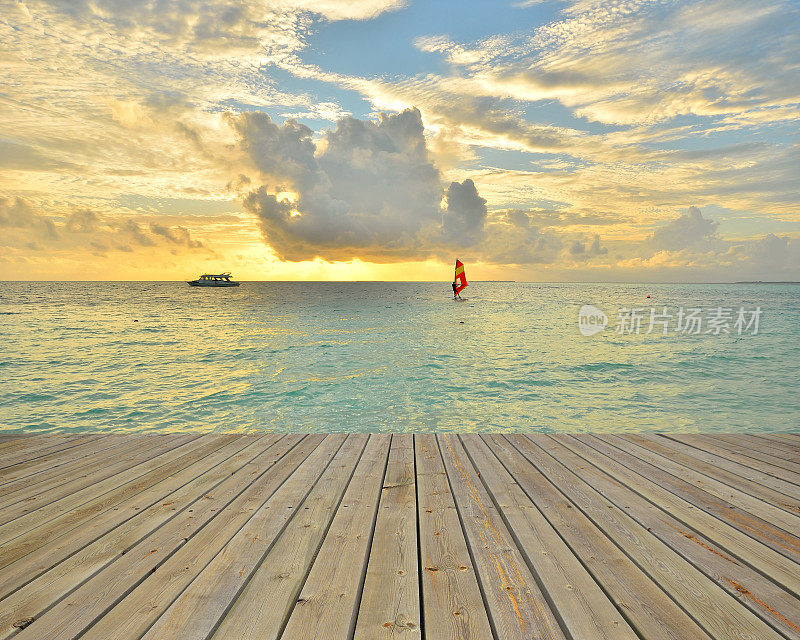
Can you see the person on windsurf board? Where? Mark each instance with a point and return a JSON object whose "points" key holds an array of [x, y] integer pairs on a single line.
{"points": [[459, 280]]}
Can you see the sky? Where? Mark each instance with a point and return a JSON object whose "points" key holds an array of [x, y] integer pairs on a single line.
{"points": [[577, 140]]}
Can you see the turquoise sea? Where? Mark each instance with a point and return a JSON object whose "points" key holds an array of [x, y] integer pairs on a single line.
{"points": [[281, 356]]}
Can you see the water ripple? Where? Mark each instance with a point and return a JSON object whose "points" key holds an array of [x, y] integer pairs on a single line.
{"points": [[386, 357]]}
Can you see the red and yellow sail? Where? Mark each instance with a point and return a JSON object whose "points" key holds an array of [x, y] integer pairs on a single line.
{"points": [[460, 279]]}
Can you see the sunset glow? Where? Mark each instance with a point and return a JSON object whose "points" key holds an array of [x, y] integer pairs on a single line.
{"points": [[381, 139]]}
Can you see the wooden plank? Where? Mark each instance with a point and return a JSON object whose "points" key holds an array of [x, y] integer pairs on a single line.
{"points": [[19, 440], [199, 607], [30, 530], [287, 537], [85, 607], [742, 483], [789, 448], [657, 487], [790, 440], [328, 601], [714, 609], [580, 602], [44, 444], [33, 531], [390, 604], [36, 446], [453, 608], [716, 497], [278, 494], [20, 443], [752, 448], [55, 459], [54, 483], [516, 605], [284, 570], [783, 470], [646, 607], [86, 486], [33, 598], [100, 538], [22, 447], [772, 447], [776, 606]]}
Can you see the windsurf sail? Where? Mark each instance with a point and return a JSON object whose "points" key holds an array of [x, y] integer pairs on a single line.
{"points": [[460, 279]]}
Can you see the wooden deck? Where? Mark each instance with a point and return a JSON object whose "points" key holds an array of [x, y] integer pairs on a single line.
{"points": [[339, 537]]}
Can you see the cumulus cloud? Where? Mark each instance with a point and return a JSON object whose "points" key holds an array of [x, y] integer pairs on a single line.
{"points": [[515, 238], [364, 188], [581, 250], [176, 235], [466, 212], [85, 230], [17, 213], [659, 72], [692, 244], [689, 231], [771, 255], [370, 189], [148, 82], [598, 121], [83, 221], [281, 152]]}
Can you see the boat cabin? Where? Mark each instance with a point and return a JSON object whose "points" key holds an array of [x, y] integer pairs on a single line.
{"points": [[220, 277]]}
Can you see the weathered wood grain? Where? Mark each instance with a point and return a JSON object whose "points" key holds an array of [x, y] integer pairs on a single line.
{"points": [[453, 608], [400, 537], [88, 604], [747, 542], [647, 608], [57, 458], [199, 607], [517, 607], [580, 602], [714, 561], [82, 551], [284, 570], [328, 602], [773, 525], [693, 591], [746, 455], [390, 603]]}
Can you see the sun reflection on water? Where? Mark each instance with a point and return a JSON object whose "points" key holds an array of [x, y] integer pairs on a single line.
{"points": [[380, 357]]}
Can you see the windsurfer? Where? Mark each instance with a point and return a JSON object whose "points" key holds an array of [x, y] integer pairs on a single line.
{"points": [[459, 281]]}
